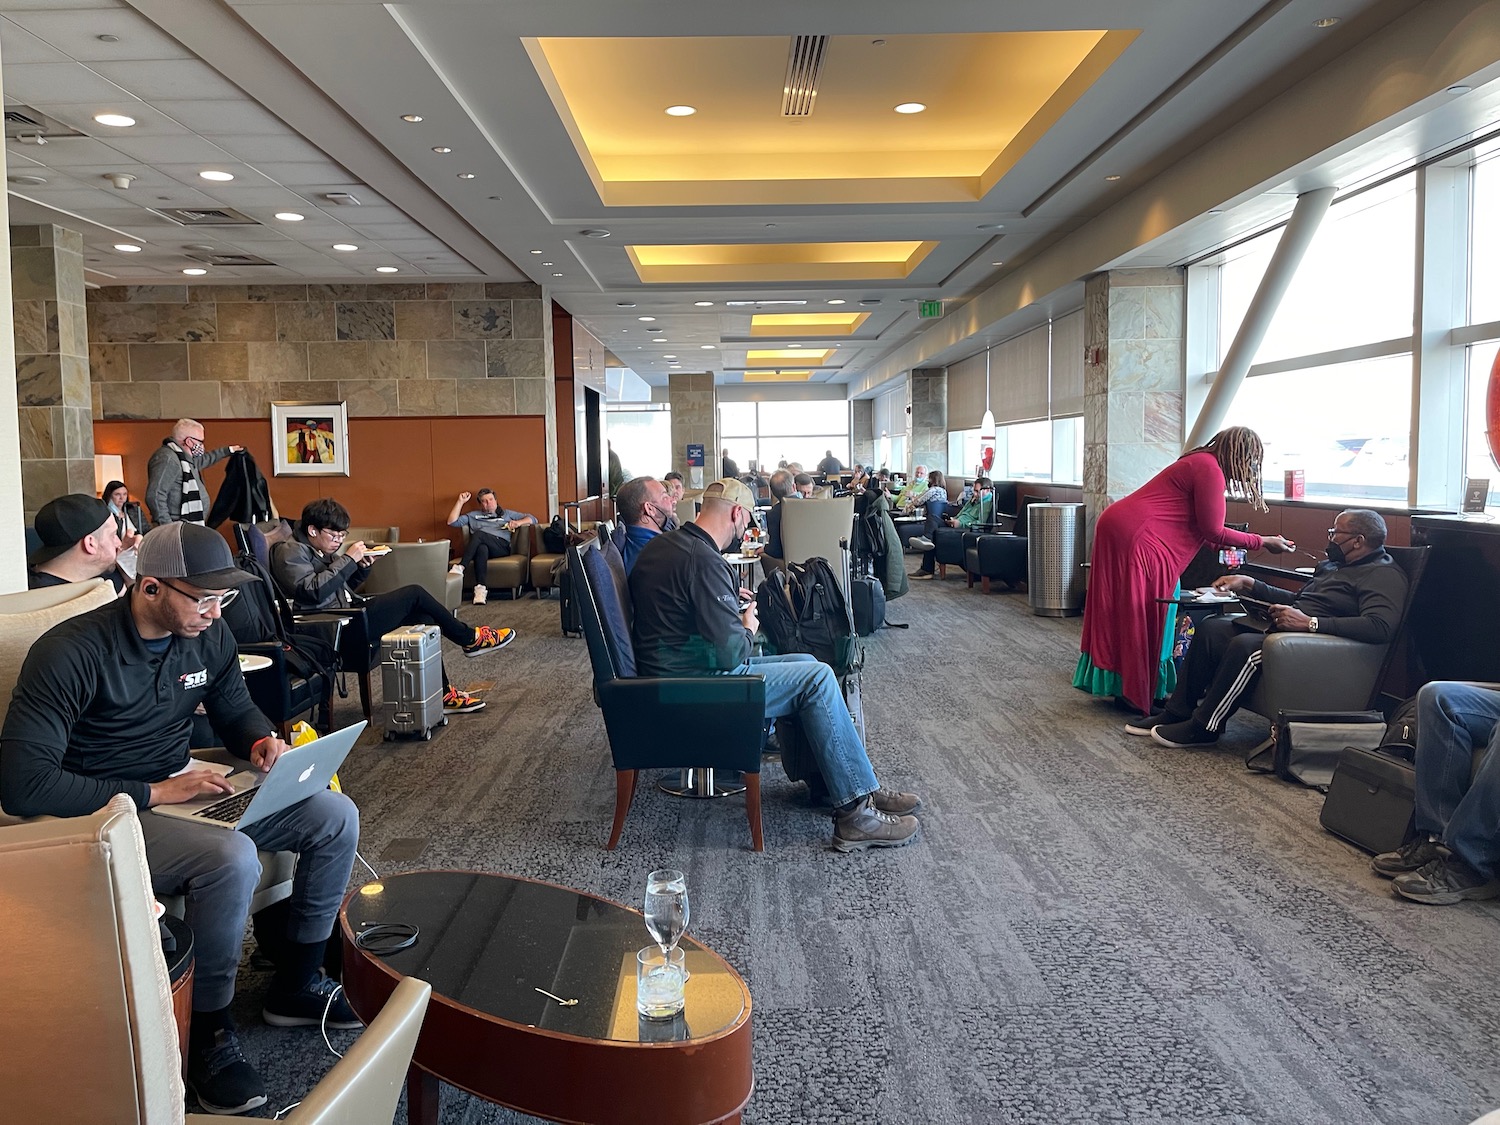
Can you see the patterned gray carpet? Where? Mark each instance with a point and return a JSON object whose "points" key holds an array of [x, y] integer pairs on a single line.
{"points": [[1092, 928]]}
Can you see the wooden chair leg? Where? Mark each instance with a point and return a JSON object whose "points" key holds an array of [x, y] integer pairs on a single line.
{"points": [[984, 584], [752, 810], [942, 569], [364, 692], [624, 791], [969, 574]]}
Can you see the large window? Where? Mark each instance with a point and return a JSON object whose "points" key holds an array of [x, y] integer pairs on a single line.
{"points": [[1484, 284], [641, 436], [771, 432], [1478, 460]]}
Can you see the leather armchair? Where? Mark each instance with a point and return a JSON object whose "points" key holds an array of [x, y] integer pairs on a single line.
{"points": [[373, 535], [999, 556], [726, 714], [514, 570], [813, 529], [416, 564]]}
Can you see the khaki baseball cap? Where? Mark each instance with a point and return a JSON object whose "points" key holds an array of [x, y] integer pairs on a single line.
{"points": [[735, 491]]}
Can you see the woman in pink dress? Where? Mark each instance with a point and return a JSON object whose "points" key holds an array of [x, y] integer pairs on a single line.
{"points": [[1142, 544]]}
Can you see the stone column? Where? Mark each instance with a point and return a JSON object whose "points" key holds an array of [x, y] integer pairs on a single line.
{"points": [[695, 421], [929, 417], [862, 432], [54, 402], [1134, 366]]}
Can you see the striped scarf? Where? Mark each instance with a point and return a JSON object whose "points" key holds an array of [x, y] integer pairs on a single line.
{"points": [[192, 495]]}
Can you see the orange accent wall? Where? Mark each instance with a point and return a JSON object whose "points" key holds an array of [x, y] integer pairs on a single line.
{"points": [[403, 471]]}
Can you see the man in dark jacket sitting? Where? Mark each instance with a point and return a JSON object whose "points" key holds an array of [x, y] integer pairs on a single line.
{"points": [[1358, 593]]}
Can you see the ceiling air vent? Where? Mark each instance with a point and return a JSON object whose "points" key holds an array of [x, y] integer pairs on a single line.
{"points": [[205, 216], [804, 65], [24, 123], [229, 259]]}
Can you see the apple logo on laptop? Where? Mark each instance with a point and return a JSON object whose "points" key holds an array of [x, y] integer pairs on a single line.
{"points": [[307, 773]]}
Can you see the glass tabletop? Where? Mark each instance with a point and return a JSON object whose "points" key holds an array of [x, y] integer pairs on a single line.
{"points": [[490, 941]]}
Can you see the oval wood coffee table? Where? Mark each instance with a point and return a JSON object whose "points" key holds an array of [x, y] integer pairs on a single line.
{"points": [[488, 943]]}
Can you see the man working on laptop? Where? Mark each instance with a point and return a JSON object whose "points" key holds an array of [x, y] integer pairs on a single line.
{"points": [[104, 705], [1358, 593]]}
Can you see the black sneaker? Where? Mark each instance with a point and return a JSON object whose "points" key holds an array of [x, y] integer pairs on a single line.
{"points": [[1183, 736], [1444, 881], [307, 1008], [223, 1082], [1141, 725], [1413, 855]]}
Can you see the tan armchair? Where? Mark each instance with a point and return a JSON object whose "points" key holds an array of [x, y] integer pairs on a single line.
{"points": [[416, 564], [514, 570], [83, 976], [373, 535], [812, 529]]}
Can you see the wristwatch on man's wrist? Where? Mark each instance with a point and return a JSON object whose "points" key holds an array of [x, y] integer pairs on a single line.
{"points": [[1312, 624]]}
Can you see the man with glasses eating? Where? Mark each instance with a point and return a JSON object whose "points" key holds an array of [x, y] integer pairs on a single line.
{"points": [[104, 705], [174, 475]]}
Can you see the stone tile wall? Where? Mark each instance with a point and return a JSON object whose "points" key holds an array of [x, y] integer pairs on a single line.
{"points": [[52, 364], [408, 348], [1134, 368], [695, 420], [929, 418]]}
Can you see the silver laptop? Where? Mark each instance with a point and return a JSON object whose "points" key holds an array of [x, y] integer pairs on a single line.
{"points": [[299, 773]]}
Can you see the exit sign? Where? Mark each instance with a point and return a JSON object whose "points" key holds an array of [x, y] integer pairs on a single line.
{"points": [[929, 309]]}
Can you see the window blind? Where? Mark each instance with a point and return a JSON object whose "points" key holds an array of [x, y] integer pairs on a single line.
{"points": [[1067, 365], [966, 395], [1018, 378]]}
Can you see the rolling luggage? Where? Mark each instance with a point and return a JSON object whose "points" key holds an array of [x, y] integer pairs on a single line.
{"points": [[411, 677], [572, 623], [868, 597], [1371, 800]]}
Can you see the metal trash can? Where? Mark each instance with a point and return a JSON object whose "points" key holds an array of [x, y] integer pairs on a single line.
{"points": [[1054, 547]]}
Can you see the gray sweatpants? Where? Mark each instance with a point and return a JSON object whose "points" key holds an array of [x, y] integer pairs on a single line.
{"points": [[217, 871]]}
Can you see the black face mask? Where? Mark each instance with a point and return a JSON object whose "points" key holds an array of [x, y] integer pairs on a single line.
{"points": [[1335, 553]]}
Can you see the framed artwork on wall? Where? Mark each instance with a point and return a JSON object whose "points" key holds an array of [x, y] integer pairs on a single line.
{"points": [[310, 439]]}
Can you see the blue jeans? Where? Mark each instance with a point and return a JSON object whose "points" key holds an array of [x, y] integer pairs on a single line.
{"points": [[1453, 720], [217, 871], [802, 685]]}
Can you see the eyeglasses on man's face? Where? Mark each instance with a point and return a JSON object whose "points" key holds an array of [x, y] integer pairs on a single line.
{"points": [[204, 602]]}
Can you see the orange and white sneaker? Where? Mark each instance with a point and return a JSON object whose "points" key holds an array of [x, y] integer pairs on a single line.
{"points": [[457, 702], [487, 638]]}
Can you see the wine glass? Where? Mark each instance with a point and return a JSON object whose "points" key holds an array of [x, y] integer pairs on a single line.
{"points": [[666, 908]]}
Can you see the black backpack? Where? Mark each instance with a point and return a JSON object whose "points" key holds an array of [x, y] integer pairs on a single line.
{"points": [[803, 609], [555, 536], [260, 615], [1400, 739]]}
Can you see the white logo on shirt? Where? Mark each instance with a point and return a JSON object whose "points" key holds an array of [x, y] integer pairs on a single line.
{"points": [[192, 680]]}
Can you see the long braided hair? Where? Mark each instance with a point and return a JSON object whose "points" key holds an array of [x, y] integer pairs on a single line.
{"points": [[1239, 451]]}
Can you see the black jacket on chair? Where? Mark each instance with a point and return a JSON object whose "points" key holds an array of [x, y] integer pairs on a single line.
{"points": [[245, 496]]}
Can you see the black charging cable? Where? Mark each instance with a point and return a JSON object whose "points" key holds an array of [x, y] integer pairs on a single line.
{"points": [[386, 938]]}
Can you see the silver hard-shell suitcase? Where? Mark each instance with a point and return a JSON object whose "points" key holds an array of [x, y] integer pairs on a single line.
{"points": [[411, 677]]}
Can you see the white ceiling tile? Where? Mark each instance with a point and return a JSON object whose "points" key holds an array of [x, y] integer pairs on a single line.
{"points": [[35, 83], [186, 149], [43, 5], [76, 32], [222, 118], [67, 197], [188, 174], [18, 46], [258, 234], [265, 197], [69, 152], [148, 122], [319, 175], [285, 147], [171, 79]]}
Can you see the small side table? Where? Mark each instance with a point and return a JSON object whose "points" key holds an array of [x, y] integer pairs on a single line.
{"points": [[180, 976]]}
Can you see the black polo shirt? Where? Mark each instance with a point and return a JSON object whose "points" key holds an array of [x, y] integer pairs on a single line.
{"points": [[685, 605], [96, 713]]}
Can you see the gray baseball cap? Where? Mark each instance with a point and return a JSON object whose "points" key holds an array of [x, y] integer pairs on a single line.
{"points": [[191, 552]]}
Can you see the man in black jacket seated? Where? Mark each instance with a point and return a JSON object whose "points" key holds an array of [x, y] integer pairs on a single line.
{"points": [[104, 705], [1358, 593], [311, 573], [687, 622]]}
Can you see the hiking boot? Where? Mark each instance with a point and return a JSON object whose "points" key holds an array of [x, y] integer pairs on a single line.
{"points": [[865, 826], [1142, 725], [457, 702], [320, 1003], [487, 638], [1183, 736], [220, 1078], [457, 570], [890, 801], [481, 594], [1444, 881], [1413, 855]]}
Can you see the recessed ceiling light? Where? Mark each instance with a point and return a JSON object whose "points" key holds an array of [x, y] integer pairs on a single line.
{"points": [[546, 263], [116, 120], [387, 269], [127, 248], [411, 117], [289, 216], [794, 345], [997, 263], [625, 304], [1112, 179], [910, 107], [1459, 89], [877, 42], [441, 150], [1326, 21], [703, 304], [869, 300], [216, 176], [557, 275], [990, 226], [195, 271], [681, 110], [708, 347], [838, 301], [345, 246], [669, 357], [107, 38], [645, 319], [466, 175], [594, 232]]}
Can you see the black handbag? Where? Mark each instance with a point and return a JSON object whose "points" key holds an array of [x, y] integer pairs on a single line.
{"points": [[1371, 800], [1305, 745]]}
